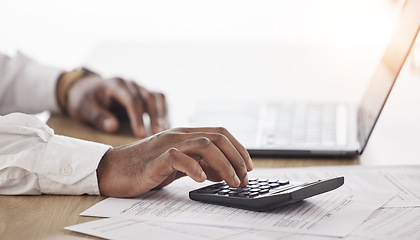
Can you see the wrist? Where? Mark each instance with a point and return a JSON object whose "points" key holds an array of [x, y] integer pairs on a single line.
{"points": [[104, 172], [64, 83]]}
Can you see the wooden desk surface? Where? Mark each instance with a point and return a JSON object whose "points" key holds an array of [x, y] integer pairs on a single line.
{"points": [[44, 217]]}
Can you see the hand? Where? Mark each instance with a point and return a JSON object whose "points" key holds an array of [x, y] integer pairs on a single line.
{"points": [[200, 153], [103, 103]]}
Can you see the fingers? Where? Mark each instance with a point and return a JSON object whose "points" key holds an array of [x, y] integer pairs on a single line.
{"points": [[220, 131], [231, 169], [98, 116], [217, 154], [181, 162], [169, 166], [156, 107], [128, 97], [137, 101], [132, 99], [154, 162], [127, 172], [161, 121]]}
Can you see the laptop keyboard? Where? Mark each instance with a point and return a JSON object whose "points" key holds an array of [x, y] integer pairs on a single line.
{"points": [[303, 124]]}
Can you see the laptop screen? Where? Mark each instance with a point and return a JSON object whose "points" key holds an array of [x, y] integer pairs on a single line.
{"points": [[379, 88]]}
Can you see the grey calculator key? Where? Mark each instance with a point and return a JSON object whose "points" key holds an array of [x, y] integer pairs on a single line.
{"points": [[253, 194], [223, 192], [262, 191], [283, 182], [244, 194], [233, 193]]}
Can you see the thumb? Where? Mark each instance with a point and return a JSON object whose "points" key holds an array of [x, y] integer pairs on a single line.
{"points": [[108, 124], [100, 117]]}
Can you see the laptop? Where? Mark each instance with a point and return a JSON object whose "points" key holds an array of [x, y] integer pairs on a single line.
{"points": [[311, 128]]}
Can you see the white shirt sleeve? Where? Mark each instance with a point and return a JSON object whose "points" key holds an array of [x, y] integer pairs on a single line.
{"points": [[27, 86], [33, 160]]}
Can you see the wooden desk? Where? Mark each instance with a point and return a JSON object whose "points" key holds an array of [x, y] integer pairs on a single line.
{"points": [[44, 217]]}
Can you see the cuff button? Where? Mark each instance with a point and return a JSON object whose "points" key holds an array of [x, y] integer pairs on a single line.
{"points": [[67, 170]]}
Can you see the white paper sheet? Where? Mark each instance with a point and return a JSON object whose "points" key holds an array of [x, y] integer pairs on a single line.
{"points": [[315, 215], [402, 181], [122, 228], [384, 224], [310, 217]]}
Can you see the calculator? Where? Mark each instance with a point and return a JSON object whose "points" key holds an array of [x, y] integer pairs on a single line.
{"points": [[263, 194]]}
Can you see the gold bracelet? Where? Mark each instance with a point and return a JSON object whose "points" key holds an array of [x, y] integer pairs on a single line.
{"points": [[65, 81]]}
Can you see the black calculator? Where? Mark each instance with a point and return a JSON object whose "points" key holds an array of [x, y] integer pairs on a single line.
{"points": [[263, 194]]}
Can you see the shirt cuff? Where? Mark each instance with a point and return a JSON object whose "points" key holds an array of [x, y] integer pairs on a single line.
{"points": [[68, 166]]}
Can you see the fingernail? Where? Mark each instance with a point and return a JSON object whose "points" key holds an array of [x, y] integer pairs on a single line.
{"points": [[107, 123], [203, 175], [237, 181], [251, 165], [245, 181]]}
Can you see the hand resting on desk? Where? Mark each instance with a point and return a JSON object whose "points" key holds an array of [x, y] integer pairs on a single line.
{"points": [[103, 103], [154, 162]]}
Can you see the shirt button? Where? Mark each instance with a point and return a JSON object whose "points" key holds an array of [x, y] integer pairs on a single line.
{"points": [[67, 170]]}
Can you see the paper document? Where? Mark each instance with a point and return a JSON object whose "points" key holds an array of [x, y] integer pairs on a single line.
{"points": [[386, 223], [315, 215], [402, 181], [135, 215], [122, 228]]}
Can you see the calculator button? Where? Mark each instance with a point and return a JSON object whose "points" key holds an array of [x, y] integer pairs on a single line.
{"points": [[233, 193], [262, 191], [253, 194], [262, 194], [283, 182], [244, 194], [223, 192]]}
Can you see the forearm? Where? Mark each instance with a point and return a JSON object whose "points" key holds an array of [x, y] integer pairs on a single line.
{"points": [[33, 160]]}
